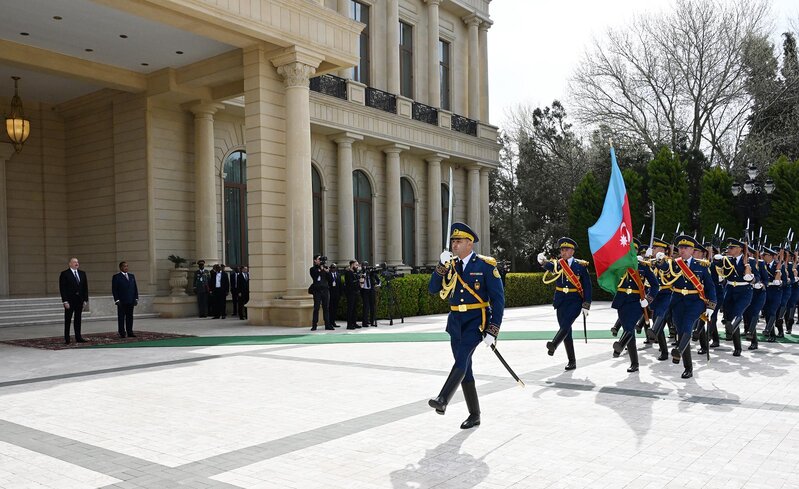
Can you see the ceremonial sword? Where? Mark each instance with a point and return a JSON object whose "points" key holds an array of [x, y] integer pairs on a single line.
{"points": [[510, 370]]}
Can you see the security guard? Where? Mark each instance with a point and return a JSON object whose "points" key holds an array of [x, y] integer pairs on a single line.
{"points": [[631, 299], [664, 271], [472, 285], [692, 294], [572, 294], [739, 274]]}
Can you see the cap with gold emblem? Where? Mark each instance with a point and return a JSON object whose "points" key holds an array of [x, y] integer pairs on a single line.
{"points": [[460, 230], [685, 240], [565, 242]]}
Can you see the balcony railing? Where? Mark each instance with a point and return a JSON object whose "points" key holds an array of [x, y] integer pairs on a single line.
{"points": [[330, 85], [381, 100], [425, 113], [464, 125]]}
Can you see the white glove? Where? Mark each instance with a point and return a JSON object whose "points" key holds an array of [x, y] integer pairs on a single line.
{"points": [[489, 340], [541, 258], [648, 253], [709, 312], [717, 257], [660, 255], [748, 277], [644, 302], [640, 259], [758, 285], [445, 257], [776, 282], [585, 312]]}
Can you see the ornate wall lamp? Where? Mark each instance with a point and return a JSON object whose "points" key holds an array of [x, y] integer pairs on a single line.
{"points": [[18, 127]]}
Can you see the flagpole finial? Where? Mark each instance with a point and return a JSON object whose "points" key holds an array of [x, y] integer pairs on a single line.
{"points": [[610, 141]]}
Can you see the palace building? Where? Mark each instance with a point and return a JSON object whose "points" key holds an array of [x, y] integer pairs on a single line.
{"points": [[244, 132]]}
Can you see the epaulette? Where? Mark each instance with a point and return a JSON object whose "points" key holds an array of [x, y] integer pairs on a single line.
{"points": [[581, 262], [703, 262], [488, 259]]}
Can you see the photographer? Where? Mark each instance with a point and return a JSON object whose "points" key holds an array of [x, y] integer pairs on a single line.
{"points": [[368, 281], [351, 288], [320, 288]]}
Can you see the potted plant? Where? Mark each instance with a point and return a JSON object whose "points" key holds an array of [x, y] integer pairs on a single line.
{"points": [[177, 276]]}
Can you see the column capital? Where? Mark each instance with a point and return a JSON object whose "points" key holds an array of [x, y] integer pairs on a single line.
{"points": [[345, 137], [432, 3], [485, 24], [473, 167], [472, 20], [395, 148], [435, 157], [296, 65], [204, 108]]}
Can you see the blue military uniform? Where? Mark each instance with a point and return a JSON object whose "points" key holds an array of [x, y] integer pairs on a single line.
{"points": [[787, 286], [774, 293], [665, 275], [790, 315], [627, 301], [687, 304], [759, 296], [738, 293], [570, 297], [476, 298]]}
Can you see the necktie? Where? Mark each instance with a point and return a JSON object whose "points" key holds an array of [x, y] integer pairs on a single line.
{"points": [[459, 267], [77, 277], [126, 276]]}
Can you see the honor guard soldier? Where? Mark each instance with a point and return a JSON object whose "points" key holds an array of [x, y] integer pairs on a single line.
{"points": [[664, 271], [572, 294], [774, 293], [693, 293], [790, 315], [787, 284], [472, 285], [631, 300], [759, 297], [720, 283], [738, 270]]}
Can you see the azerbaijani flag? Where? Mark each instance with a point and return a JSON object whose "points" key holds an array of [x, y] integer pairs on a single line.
{"points": [[611, 236]]}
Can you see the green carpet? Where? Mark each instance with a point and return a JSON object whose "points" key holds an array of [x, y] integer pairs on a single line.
{"points": [[358, 337]]}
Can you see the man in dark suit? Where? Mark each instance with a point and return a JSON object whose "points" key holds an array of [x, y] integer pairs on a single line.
{"points": [[244, 291], [126, 297], [351, 288], [220, 286], [335, 293], [320, 288], [74, 290], [235, 278]]}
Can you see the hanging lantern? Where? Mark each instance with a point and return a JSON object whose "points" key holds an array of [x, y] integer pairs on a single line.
{"points": [[17, 126]]}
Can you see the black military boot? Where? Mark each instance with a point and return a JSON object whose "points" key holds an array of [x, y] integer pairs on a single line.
{"points": [[440, 403], [789, 319], [703, 347], [657, 328], [683, 344], [664, 347], [695, 332], [614, 330], [736, 342], [753, 344], [553, 345], [470, 394], [689, 366], [632, 350], [639, 326], [618, 346], [727, 330], [768, 331], [568, 343], [780, 321], [714, 335]]}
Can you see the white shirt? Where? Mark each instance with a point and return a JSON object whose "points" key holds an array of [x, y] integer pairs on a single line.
{"points": [[219, 279]]}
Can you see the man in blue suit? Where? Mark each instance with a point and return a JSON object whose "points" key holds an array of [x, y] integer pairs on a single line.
{"points": [[472, 285], [126, 297], [572, 295]]}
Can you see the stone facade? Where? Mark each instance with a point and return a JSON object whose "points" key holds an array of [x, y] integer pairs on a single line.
{"points": [[133, 170]]}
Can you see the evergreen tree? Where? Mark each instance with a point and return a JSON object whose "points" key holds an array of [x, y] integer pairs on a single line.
{"points": [[668, 189], [585, 206], [716, 204], [784, 212]]}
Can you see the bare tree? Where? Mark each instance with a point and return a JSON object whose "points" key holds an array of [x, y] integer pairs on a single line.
{"points": [[674, 79]]}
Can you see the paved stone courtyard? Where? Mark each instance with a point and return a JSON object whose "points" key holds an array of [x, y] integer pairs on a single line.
{"points": [[355, 414]]}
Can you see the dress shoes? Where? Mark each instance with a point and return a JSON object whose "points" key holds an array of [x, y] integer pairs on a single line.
{"points": [[81, 340], [122, 335], [633, 368], [571, 366], [701, 351], [131, 335], [350, 327], [736, 353], [752, 347], [330, 328], [663, 356], [313, 328], [715, 344], [472, 421], [336, 325], [687, 374]]}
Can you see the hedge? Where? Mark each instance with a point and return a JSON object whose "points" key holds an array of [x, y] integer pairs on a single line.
{"points": [[410, 291]]}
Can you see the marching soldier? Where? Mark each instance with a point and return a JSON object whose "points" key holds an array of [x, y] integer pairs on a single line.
{"points": [[773, 291], [790, 315], [693, 293], [759, 297], [572, 294], [472, 285], [787, 285], [666, 275], [738, 270], [631, 300], [720, 283]]}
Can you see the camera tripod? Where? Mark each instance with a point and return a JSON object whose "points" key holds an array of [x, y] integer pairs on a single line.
{"points": [[392, 303]]}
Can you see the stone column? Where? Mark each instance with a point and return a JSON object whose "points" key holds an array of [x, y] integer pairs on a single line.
{"points": [[346, 214], [392, 47], [484, 26], [434, 244], [473, 201], [296, 66], [205, 225], [6, 151], [472, 21], [393, 205], [485, 235], [343, 7], [433, 73]]}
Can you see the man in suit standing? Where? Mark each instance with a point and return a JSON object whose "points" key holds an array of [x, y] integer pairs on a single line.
{"points": [[335, 293], [220, 286], [352, 287], [74, 290], [201, 288], [244, 291], [235, 277], [126, 297]]}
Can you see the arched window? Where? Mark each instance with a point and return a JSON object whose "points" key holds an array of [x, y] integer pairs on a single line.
{"points": [[362, 201], [444, 215], [408, 223], [235, 169], [318, 219]]}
